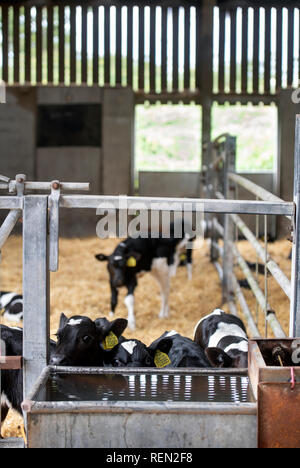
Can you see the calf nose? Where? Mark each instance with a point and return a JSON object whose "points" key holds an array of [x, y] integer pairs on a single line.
{"points": [[58, 361]]}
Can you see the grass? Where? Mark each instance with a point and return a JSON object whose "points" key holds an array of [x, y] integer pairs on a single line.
{"points": [[168, 138]]}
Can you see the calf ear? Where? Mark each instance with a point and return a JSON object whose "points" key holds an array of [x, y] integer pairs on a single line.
{"points": [[101, 257], [118, 326], [136, 255], [164, 345], [62, 321], [218, 358]]}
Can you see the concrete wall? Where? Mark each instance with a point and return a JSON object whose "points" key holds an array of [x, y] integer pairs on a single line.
{"points": [[108, 165]]}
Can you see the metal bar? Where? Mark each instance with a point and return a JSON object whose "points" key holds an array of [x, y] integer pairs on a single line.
{"points": [[73, 43], [129, 46], [152, 49], [187, 47], [107, 45], [47, 186], [245, 50], [267, 74], [233, 58], [35, 289], [244, 307], [272, 266], [278, 48], [222, 51], [8, 225], [257, 190], [190, 205], [16, 44], [271, 318], [53, 204], [118, 45], [27, 44], [219, 270], [164, 27], [50, 40], [5, 43], [141, 70], [11, 203], [39, 45], [256, 51], [295, 296], [84, 51], [175, 83], [95, 45], [290, 50], [198, 47], [61, 43]]}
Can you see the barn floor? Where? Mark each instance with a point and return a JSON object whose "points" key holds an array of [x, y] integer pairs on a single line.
{"points": [[81, 288]]}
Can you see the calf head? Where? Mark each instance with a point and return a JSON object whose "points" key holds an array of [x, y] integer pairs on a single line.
{"points": [[131, 353], [119, 264], [218, 358], [79, 341]]}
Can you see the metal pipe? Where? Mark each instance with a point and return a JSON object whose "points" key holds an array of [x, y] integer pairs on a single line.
{"points": [[174, 204], [257, 190], [271, 318], [8, 225], [244, 306], [219, 270], [272, 266]]}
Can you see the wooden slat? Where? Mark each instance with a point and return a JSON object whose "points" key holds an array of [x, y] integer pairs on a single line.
{"points": [[291, 30], [164, 56], [61, 43], [256, 51], [187, 48], [5, 43], [245, 23], [27, 44], [222, 51], [107, 45], [118, 45], [279, 49], [175, 50], [95, 45], [73, 44], [50, 34], [39, 45], [141, 76], [84, 45], [16, 44], [129, 46], [10, 362], [267, 77], [233, 56], [152, 49]]}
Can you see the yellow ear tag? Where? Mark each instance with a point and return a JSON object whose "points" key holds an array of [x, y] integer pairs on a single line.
{"points": [[161, 359], [182, 257], [110, 341], [131, 262]]}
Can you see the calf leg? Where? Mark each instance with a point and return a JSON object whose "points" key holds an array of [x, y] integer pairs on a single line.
{"points": [[129, 302], [161, 272], [114, 300], [189, 263]]}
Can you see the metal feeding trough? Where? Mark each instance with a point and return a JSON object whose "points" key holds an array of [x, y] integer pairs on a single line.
{"points": [[140, 408], [275, 380]]}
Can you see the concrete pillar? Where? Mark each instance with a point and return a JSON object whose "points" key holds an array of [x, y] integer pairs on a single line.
{"points": [[288, 108], [118, 141]]}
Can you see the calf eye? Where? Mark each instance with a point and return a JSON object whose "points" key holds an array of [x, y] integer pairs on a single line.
{"points": [[86, 339]]}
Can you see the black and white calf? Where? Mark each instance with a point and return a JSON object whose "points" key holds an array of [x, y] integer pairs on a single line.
{"points": [[12, 306], [175, 350], [11, 342], [79, 340], [133, 257], [224, 338]]}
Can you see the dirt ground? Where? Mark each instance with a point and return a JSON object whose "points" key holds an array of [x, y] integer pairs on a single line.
{"points": [[81, 287]]}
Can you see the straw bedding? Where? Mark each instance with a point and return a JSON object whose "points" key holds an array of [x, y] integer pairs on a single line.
{"points": [[81, 287]]}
